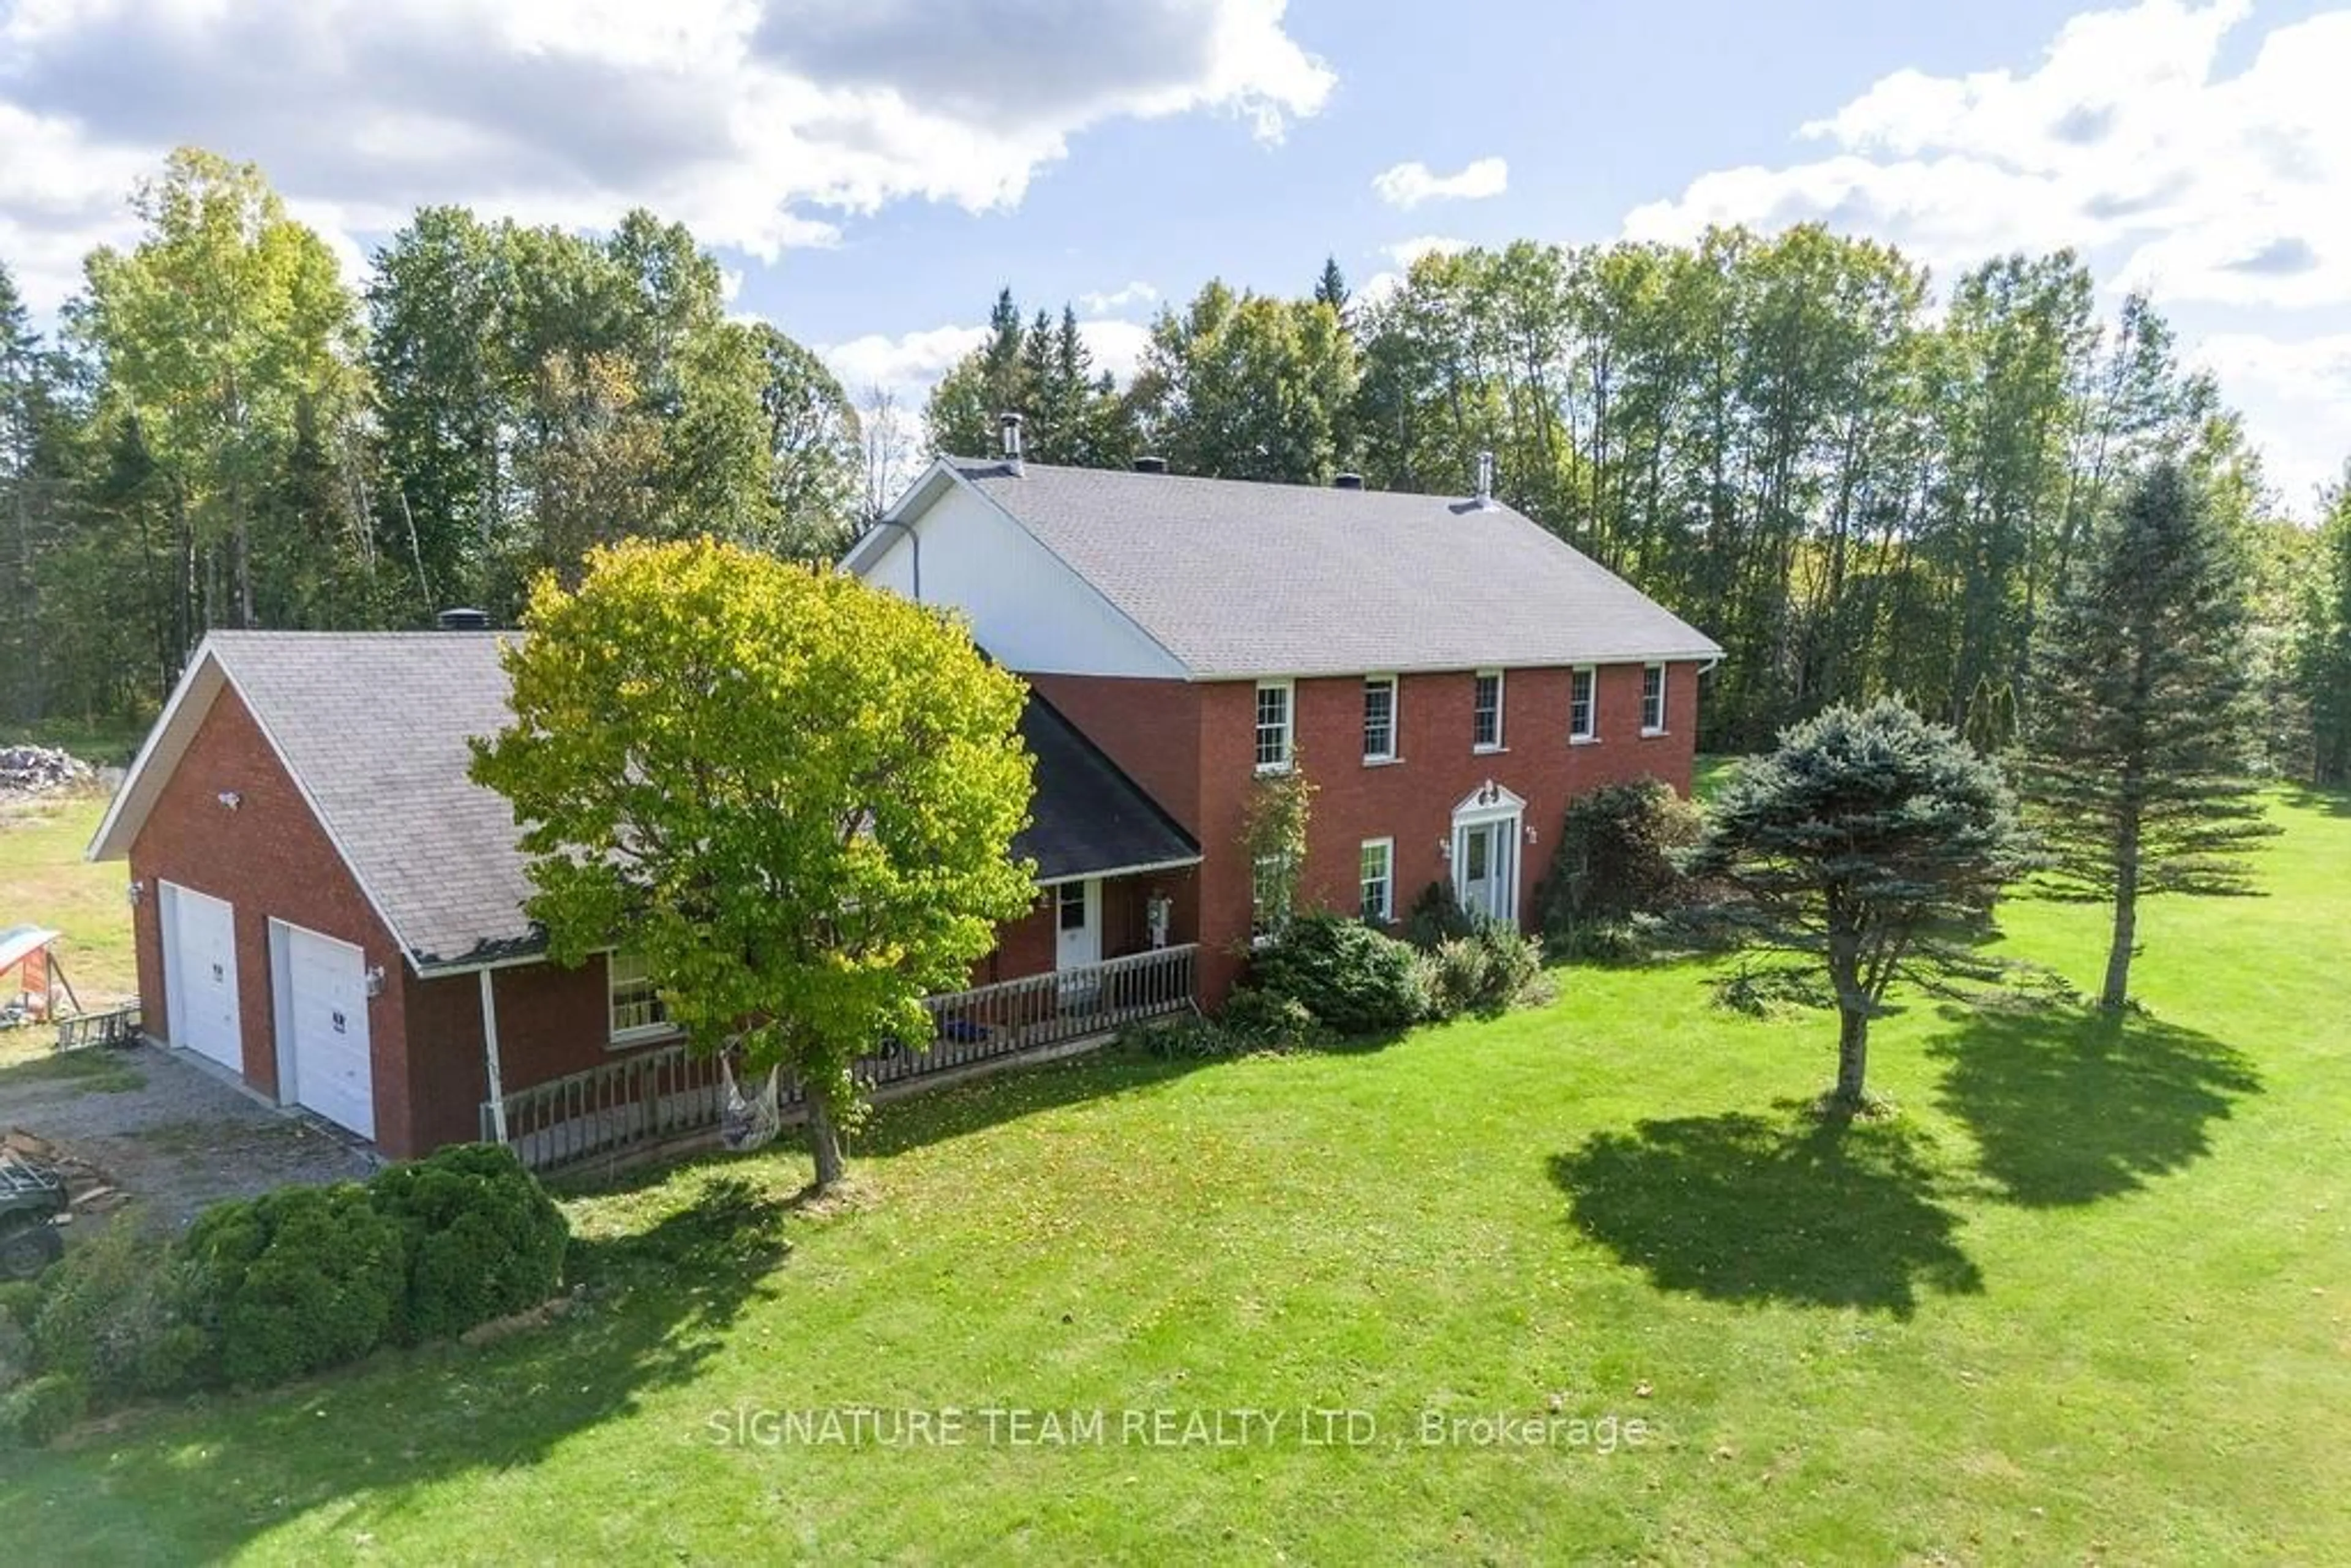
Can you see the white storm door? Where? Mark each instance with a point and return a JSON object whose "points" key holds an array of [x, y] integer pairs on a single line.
{"points": [[1077, 919]]}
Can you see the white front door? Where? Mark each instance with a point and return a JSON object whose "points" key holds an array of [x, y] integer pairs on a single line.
{"points": [[1486, 828], [200, 974], [326, 1024], [1481, 869], [1077, 920]]}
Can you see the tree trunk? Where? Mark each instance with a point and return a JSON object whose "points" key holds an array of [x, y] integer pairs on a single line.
{"points": [[1853, 1054], [2118, 957], [824, 1141]]}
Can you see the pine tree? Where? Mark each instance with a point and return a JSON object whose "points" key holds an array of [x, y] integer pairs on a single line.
{"points": [[1873, 843], [2323, 652], [2140, 727], [1330, 288]]}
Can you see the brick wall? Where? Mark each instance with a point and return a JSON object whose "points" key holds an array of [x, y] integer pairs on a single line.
{"points": [[1193, 747], [269, 858], [552, 1023]]}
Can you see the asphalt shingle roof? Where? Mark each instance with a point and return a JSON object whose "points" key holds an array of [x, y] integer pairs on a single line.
{"points": [[1088, 817], [374, 726], [1237, 579]]}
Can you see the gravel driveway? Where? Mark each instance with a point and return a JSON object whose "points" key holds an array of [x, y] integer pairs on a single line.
{"points": [[168, 1134]]}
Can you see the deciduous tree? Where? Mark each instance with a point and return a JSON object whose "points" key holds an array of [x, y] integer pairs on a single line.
{"points": [[793, 793]]}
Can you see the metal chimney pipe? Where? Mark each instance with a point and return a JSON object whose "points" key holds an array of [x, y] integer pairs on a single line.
{"points": [[1485, 478], [1011, 424]]}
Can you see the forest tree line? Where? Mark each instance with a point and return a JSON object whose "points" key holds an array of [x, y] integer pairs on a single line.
{"points": [[1857, 486], [1855, 482], [224, 431]]}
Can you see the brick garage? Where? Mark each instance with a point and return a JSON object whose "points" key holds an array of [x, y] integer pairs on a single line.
{"points": [[268, 787]]}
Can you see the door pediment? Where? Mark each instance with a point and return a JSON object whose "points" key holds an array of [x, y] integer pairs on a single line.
{"points": [[1489, 800]]}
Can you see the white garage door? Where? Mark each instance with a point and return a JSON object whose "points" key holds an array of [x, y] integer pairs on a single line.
{"points": [[200, 974], [327, 1021]]}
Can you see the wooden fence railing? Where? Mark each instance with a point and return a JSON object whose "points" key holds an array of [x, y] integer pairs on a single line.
{"points": [[655, 1096]]}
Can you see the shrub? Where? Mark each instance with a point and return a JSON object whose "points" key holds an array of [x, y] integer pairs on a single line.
{"points": [[1435, 917], [1190, 1037], [119, 1315], [296, 1280], [1614, 864], [34, 1414], [1484, 972], [1261, 1020], [481, 1237], [19, 1299], [1348, 977], [16, 1353]]}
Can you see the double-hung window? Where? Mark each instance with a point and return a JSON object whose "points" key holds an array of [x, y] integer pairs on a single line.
{"points": [[1485, 711], [637, 1009], [1653, 699], [1273, 700], [1378, 906], [1583, 709], [1379, 718]]}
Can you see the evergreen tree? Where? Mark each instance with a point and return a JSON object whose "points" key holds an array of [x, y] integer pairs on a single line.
{"points": [[2322, 659], [1331, 287], [1873, 843], [2139, 729]]}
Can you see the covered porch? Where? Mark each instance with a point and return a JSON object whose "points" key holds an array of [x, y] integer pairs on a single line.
{"points": [[652, 1101]]}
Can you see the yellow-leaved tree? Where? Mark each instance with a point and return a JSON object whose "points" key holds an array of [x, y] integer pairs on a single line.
{"points": [[793, 793]]}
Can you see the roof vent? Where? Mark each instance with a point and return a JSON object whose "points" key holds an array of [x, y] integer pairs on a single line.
{"points": [[1485, 479], [465, 620], [1151, 466], [1011, 424], [1349, 481]]}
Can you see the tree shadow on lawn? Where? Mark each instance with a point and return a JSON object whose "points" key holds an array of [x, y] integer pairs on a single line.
{"points": [[2317, 798], [1797, 1207], [657, 1305], [2068, 1106]]}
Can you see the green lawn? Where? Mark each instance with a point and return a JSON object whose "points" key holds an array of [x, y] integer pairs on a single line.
{"points": [[44, 881], [2086, 1299]]}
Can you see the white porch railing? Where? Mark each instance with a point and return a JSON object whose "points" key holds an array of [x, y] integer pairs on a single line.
{"points": [[656, 1097]]}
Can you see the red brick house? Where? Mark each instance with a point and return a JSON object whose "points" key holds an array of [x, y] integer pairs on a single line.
{"points": [[326, 905], [1450, 673]]}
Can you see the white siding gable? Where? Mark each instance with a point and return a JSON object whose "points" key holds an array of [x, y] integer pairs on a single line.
{"points": [[1027, 608]]}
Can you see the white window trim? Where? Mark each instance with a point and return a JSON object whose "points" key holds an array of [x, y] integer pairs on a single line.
{"points": [[1501, 707], [636, 1034], [1395, 717], [1665, 706], [1289, 690], [1387, 877], [1590, 733]]}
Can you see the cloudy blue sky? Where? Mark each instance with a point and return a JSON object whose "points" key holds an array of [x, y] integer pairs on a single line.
{"points": [[870, 171]]}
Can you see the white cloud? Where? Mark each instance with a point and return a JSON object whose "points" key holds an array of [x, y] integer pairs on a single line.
{"points": [[1404, 252], [2211, 193], [1117, 346], [911, 363], [761, 127], [1409, 184], [2123, 140], [907, 364], [1138, 293], [2296, 395]]}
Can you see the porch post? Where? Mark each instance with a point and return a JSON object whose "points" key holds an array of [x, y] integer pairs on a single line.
{"points": [[490, 1055]]}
